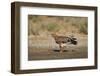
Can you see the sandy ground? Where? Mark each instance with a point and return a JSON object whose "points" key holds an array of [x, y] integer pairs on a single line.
{"points": [[47, 49]]}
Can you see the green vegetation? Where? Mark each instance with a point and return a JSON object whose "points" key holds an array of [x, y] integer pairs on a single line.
{"points": [[81, 25], [83, 29], [52, 27]]}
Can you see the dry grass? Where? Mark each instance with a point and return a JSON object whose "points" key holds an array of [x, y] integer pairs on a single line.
{"points": [[57, 24]]}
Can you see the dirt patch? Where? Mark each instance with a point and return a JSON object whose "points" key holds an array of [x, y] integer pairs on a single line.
{"points": [[47, 49]]}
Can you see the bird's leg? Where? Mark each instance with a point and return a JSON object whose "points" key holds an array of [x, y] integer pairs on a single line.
{"points": [[61, 48]]}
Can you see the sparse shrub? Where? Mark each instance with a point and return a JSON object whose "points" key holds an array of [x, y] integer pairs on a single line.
{"points": [[38, 24], [83, 29], [60, 18], [52, 27], [35, 32], [35, 18]]}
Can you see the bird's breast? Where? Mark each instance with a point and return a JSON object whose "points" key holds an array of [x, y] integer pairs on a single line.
{"points": [[63, 44]]}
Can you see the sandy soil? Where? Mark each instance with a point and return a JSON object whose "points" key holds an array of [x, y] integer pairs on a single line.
{"points": [[47, 49]]}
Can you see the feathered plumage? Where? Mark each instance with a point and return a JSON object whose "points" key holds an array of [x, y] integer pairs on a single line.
{"points": [[63, 40]]}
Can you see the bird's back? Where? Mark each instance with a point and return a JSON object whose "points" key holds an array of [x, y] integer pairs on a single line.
{"points": [[60, 39]]}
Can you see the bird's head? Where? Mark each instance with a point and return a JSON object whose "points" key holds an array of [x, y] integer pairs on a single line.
{"points": [[53, 34]]}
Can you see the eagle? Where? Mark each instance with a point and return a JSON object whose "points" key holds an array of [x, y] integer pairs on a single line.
{"points": [[63, 40]]}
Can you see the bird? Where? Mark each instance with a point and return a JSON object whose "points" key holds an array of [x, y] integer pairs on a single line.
{"points": [[63, 40]]}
